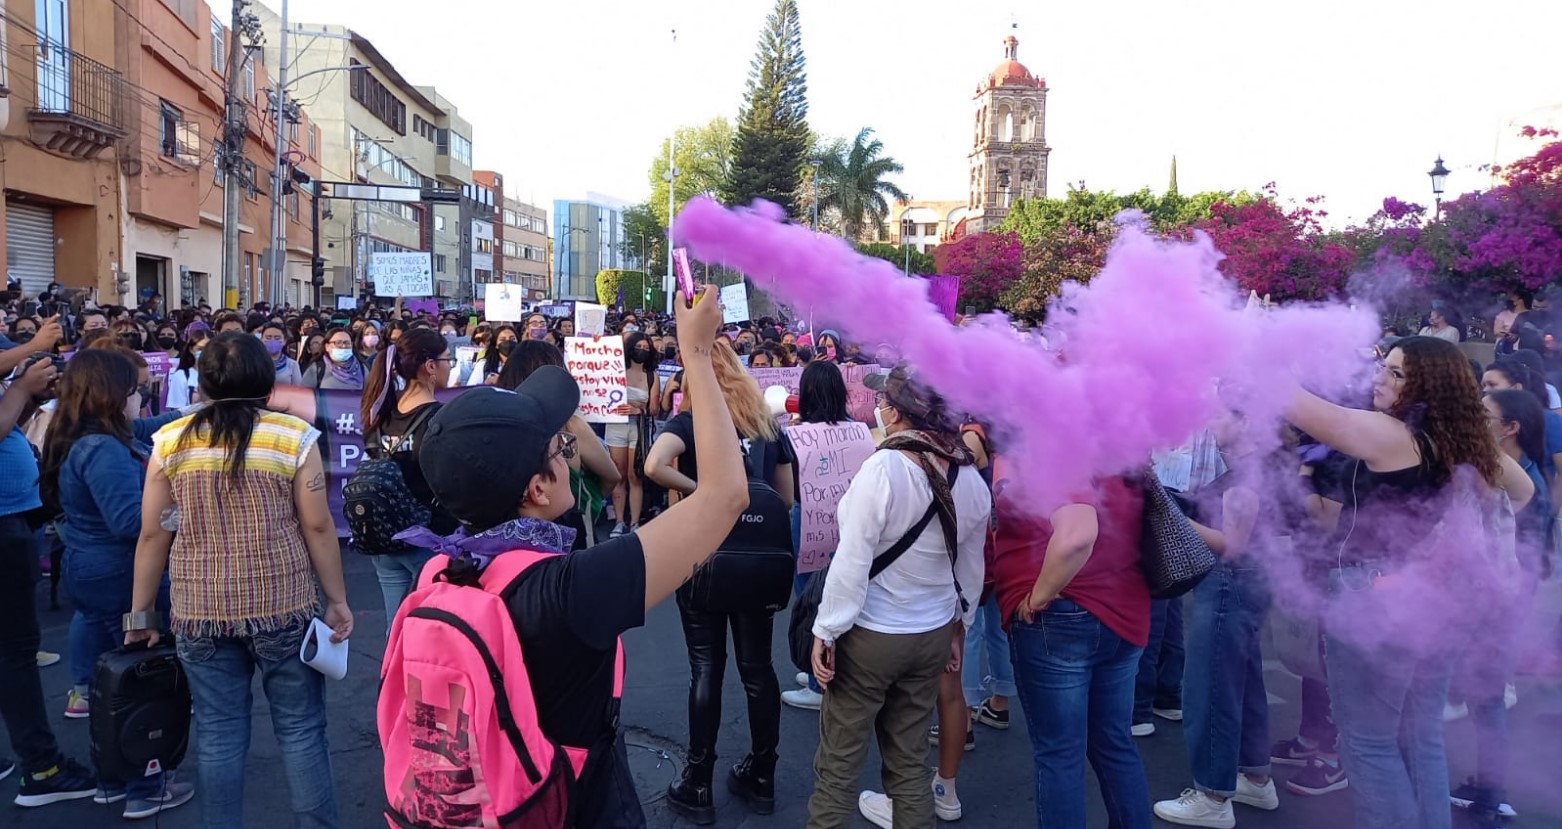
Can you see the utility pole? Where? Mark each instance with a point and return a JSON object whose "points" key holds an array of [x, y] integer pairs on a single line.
{"points": [[232, 159], [278, 223], [672, 178]]}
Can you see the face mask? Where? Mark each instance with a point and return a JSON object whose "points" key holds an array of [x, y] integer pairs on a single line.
{"points": [[371, 341], [274, 347], [878, 418], [340, 355], [669, 353], [448, 335], [642, 356], [167, 342], [23, 337], [538, 333], [829, 352], [631, 329], [505, 348]]}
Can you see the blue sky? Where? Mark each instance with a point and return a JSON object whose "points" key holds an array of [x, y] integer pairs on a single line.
{"points": [[1350, 100]]}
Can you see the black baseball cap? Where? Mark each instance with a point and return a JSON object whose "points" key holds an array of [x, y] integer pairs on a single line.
{"points": [[913, 399], [481, 449]]}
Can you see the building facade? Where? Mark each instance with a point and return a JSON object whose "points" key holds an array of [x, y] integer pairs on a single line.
{"points": [[520, 240], [588, 238], [1009, 147], [175, 52], [377, 128], [922, 224]]}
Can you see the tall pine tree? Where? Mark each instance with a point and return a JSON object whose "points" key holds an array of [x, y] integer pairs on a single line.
{"points": [[771, 144]]}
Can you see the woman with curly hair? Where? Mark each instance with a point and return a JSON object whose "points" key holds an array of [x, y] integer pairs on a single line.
{"points": [[1427, 421]]}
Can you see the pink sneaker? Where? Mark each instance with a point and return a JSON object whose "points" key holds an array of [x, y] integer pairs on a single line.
{"points": [[76, 706]]}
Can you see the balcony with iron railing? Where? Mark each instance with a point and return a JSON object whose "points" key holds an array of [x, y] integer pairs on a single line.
{"points": [[80, 108]]}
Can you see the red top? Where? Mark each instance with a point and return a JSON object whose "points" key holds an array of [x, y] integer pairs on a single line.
{"points": [[1110, 585]]}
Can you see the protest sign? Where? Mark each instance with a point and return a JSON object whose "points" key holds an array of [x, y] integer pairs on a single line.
{"points": [[859, 398], [557, 310], [734, 303], [944, 293], [346, 303], [597, 364], [422, 306], [466, 359], [158, 365], [590, 319], [402, 273], [829, 455], [504, 303], [787, 378]]}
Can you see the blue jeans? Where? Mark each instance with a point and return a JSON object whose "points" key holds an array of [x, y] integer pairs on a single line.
{"points": [[1159, 681], [398, 574], [986, 670], [1388, 705], [1225, 707], [219, 669], [101, 596], [1076, 683]]}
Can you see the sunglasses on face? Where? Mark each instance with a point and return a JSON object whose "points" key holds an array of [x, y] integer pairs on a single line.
{"points": [[568, 447]]}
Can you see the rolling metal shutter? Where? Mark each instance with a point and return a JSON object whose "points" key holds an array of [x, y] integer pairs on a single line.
{"points": [[29, 246]]}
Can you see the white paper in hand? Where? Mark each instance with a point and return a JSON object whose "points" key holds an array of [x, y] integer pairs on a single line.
{"points": [[320, 653]]}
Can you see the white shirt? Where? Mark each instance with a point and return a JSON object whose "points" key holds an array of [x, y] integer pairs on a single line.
{"points": [[915, 594], [180, 384]]}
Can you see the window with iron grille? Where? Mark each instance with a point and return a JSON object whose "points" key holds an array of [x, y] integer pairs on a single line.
{"points": [[169, 117], [219, 43]]}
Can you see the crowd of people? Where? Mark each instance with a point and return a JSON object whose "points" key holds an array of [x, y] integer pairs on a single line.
{"points": [[187, 506]]}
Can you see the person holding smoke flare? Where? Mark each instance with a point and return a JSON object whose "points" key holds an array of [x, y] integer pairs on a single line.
{"points": [[1389, 686]]}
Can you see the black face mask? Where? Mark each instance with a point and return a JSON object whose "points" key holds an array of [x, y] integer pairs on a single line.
{"points": [[23, 336], [642, 356], [669, 353], [505, 348], [167, 342]]}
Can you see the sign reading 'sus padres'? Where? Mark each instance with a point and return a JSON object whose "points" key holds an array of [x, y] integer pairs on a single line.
{"points": [[402, 273]]}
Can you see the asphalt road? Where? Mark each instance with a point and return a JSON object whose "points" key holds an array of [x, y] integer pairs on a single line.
{"points": [[995, 781]]}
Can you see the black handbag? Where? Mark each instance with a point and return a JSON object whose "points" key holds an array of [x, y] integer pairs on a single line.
{"points": [[752, 570], [805, 608], [1172, 554]]}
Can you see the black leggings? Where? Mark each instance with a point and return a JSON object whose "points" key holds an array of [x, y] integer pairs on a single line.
{"points": [[706, 635]]}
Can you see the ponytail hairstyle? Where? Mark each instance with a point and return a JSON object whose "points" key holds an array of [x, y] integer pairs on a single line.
{"points": [[395, 368]]}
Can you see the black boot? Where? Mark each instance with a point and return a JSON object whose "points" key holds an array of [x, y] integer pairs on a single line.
{"points": [[754, 780], [691, 795]]}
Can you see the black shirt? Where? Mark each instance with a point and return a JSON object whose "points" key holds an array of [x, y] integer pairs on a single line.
{"points": [[760, 457], [569, 612], [387, 436]]}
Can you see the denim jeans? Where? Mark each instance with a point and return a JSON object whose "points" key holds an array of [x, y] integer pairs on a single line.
{"points": [[1225, 707], [1075, 678], [1159, 680], [398, 574], [1481, 683], [101, 597], [21, 691], [219, 669], [985, 668], [1388, 705]]}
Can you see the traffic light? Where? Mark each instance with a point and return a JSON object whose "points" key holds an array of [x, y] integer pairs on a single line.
{"points": [[317, 271]]}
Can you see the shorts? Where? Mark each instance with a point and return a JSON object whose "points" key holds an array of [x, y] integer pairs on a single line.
{"points": [[623, 435]]}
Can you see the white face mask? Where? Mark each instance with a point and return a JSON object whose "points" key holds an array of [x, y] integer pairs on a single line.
{"points": [[341, 355], [878, 417]]}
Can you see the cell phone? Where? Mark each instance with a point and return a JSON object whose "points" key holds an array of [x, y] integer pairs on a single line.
{"points": [[30, 308], [685, 277]]}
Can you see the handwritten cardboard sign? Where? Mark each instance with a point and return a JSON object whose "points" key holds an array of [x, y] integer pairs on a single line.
{"points": [[829, 455], [859, 398], [402, 273], [590, 319], [734, 303], [597, 364], [556, 310], [787, 378]]}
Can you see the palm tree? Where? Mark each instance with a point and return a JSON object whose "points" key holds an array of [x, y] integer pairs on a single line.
{"points": [[852, 183]]}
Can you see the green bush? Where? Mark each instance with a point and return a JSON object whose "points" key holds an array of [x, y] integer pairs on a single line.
{"points": [[635, 288]]}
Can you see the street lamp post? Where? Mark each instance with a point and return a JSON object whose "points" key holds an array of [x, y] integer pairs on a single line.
{"points": [[1439, 176], [907, 227]]}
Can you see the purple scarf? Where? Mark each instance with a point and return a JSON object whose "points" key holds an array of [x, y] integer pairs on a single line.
{"points": [[350, 372], [527, 533]]}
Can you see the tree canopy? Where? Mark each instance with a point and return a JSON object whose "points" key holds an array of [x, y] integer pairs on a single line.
{"points": [[772, 140], [854, 185]]}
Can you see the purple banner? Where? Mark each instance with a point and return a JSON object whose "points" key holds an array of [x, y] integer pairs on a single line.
{"points": [[422, 306], [944, 293]]}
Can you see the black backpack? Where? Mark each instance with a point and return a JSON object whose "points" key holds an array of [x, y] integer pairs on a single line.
{"points": [[752, 570], [140, 712], [805, 608], [376, 501]]}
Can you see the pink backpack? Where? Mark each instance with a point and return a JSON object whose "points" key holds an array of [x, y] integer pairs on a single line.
{"points": [[457, 721]]}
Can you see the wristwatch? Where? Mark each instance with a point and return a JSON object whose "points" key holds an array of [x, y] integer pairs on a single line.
{"points": [[141, 620]]}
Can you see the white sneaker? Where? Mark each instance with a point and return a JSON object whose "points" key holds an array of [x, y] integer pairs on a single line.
{"points": [[1173, 714], [802, 679], [880, 810], [877, 808], [805, 698], [618, 530], [946, 804], [1259, 797], [1195, 808], [1453, 712], [1143, 729]]}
